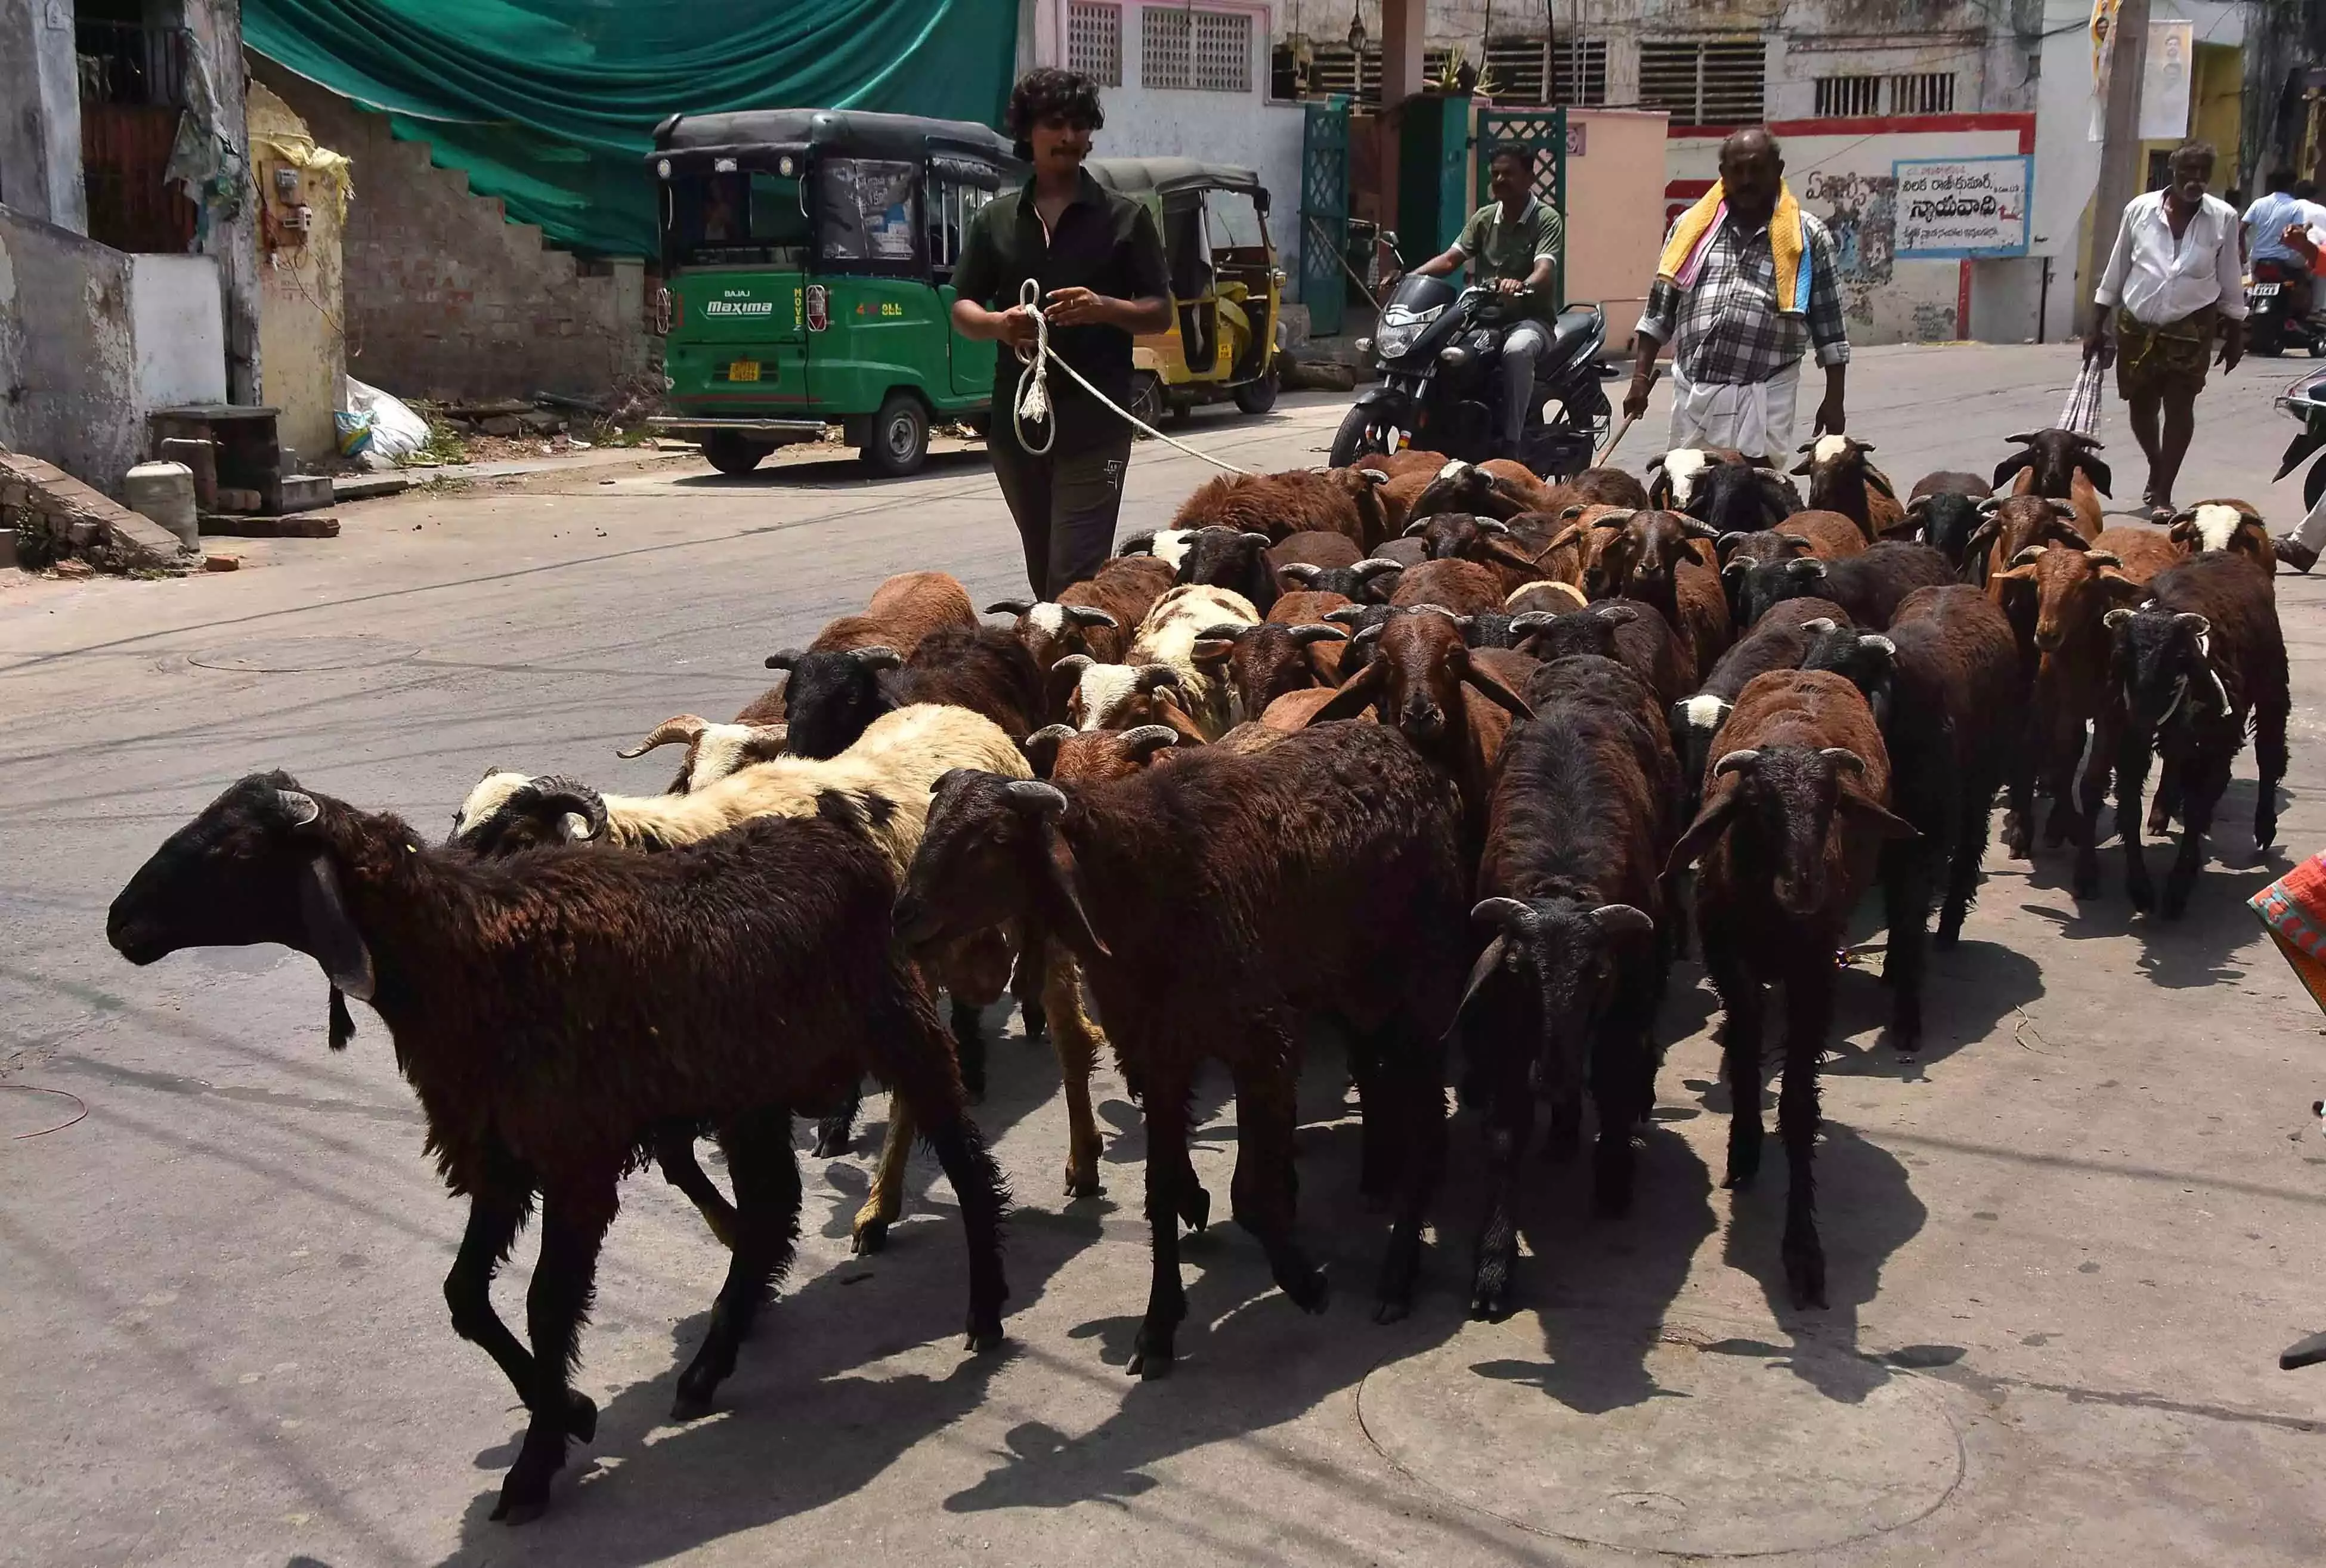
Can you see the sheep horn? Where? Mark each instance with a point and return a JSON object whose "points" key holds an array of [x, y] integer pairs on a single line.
{"points": [[1504, 912], [2028, 557], [1090, 615], [1229, 632], [1149, 739], [1264, 540], [1805, 542], [300, 808], [2104, 558], [1879, 644], [1991, 505], [1697, 530], [1529, 623], [563, 796], [1375, 566], [1047, 800], [2189, 621], [1821, 625], [1009, 607], [1138, 545], [1345, 614], [2062, 510], [1302, 636], [2115, 619], [685, 727], [1618, 614], [1492, 524], [877, 657], [1416, 529], [1736, 763], [784, 660], [1731, 539], [2028, 438], [1300, 572], [1623, 921], [1806, 566], [1843, 759]]}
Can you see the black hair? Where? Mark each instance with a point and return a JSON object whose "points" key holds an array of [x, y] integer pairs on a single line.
{"points": [[1516, 151], [2193, 149], [2283, 179], [2305, 189], [1044, 93]]}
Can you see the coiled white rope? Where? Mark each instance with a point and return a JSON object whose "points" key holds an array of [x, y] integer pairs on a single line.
{"points": [[1033, 398]]}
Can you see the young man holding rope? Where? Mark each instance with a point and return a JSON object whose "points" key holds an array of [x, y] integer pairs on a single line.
{"points": [[1097, 260]]}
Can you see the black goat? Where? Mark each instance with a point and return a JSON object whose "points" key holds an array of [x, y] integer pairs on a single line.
{"points": [[1235, 559], [1868, 586]]}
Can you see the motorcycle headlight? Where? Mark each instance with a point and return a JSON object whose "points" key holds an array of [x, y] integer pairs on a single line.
{"points": [[1392, 341]]}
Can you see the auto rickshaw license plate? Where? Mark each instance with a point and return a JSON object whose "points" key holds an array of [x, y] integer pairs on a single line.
{"points": [[743, 371]]}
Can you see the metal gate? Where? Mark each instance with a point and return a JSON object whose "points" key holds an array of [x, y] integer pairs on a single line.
{"points": [[1323, 212], [1543, 132]]}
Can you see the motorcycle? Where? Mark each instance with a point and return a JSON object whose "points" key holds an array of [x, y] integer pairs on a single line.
{"points": [[1438, 349], [2306, 400], [2272, 324]]}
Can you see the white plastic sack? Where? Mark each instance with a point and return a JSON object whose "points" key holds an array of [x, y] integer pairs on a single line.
{"points": [[395, 430]]}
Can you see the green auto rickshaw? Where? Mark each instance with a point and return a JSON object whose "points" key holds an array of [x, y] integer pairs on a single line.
{"points": [[807, 263]]}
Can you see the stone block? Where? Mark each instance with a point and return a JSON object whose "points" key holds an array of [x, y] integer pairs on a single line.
{"points": [[306, 492], [502, 424]]}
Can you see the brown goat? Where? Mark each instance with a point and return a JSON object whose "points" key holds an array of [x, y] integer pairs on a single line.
{"points": [[2226, 524], [1842, 480], [1335, 501], [1490, 542], [2062, 464], [1795, 812]]}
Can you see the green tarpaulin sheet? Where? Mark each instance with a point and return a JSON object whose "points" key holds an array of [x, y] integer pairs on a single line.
{"points": [[551, 105]]}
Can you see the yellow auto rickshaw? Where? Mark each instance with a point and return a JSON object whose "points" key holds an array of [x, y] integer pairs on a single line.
{"points": [[1226, 289]]}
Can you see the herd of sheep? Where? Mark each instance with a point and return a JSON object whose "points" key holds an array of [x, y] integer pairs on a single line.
{"points": [[1454, 759]]}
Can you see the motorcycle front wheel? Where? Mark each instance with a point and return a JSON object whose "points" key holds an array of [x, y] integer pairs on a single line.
{"points": [[1353, 441]]}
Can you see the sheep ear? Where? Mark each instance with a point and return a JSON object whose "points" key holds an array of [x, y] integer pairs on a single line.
{"points": [[1880, 819], [784, 660], [1491, 686], [1709, 825], [1800, 467], [2096, 470], [1210, 650], [2011, 465], [1355, 697], [332, 939], [1064, 880]]}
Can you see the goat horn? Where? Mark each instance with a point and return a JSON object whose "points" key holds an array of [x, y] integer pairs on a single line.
{"points": [[1300, 572], [1414, 530], [1302, 636], [2115, 618], [2026, 438], [784, 660], [1844, 759], [1821, 625], [1149, 739], [299, 807], [1698, 530], [1879, 644], [685, 727], [1736, 763], [1009, 607], [2104, 558], [2189, 621], [1528, 622], [1492, 524], [1231, 631], [1373, 566], [2028, 557], [1090, 615]]}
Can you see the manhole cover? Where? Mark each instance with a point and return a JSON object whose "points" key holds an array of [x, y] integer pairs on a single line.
{"points": [[1699, 1445], [296, 654]]}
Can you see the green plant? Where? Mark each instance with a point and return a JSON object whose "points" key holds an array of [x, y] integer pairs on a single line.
{"points": [[443, 445]]}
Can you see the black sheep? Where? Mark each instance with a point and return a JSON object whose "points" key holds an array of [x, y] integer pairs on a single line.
{"points": [[556, 1009]]}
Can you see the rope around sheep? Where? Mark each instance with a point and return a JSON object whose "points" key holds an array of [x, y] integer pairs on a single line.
{"points": [[1033, 398]]}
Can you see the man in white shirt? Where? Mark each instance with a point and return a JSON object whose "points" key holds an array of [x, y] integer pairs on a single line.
{"points": [[2175, 282]]}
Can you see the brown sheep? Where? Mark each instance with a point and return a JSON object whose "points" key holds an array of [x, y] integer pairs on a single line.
{"points": [[1306, 607], [1085, 756], [1265, 661], [1664, 559], [2062, 464], [1609, 486], [1315, 548], [1842, 480], [1465, 587], [1335, 501], [904, 609], [1796, 810], [1545, 598], [1097, 617]]}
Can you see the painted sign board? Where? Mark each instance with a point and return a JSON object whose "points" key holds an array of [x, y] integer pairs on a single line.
{"points": [[1962, 207]]}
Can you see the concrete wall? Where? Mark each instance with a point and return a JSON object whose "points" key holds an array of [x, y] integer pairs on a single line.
{"points": [[68, 352], [1244, 129], [40, 113], [1613, 236], [1843, 174], [301, 278], [178, 330], [444, 296]]}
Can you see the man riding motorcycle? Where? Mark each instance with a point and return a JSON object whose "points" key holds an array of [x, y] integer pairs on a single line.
{"points": [[1513, 242], [2274, 227]]}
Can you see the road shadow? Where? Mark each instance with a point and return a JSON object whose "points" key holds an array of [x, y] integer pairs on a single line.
{"points": [[1600, 1286], [1967, 992], [1866, 1211], [810, 1416], [841, 470]]}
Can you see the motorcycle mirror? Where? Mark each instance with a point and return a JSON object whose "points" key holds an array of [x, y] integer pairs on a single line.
{"points": [[1389, 238]]}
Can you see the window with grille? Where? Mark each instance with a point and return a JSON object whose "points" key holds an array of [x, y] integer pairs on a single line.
{"points": [[1712, 81], [1210, 51], [1578, 73], [1094, 42], [1927, 92], [1838, 97], [1333, 67], [1514, 69]]}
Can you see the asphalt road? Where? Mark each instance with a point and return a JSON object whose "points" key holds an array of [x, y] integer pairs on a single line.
{"points": [[2065, 1249]]}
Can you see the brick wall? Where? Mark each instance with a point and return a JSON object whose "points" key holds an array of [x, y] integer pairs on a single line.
{"points": [[445, 297]]}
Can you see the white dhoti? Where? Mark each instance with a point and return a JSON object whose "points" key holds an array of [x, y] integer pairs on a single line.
{"points": [[1755, 417]]}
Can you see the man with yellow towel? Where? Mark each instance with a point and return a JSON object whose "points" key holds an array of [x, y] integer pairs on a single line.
{"points": [[1747, 286]]}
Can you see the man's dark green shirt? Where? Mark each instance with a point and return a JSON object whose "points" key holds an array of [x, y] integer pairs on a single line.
{"points": [[1104, 242]]}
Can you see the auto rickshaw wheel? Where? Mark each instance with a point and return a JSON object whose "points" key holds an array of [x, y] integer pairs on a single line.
{"points": [[898, 442], [1146, 398], [1258, 397], [734, 454]]}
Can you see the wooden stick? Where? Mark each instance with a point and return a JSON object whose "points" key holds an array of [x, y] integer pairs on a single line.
{"points": [[1624, 429]]}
